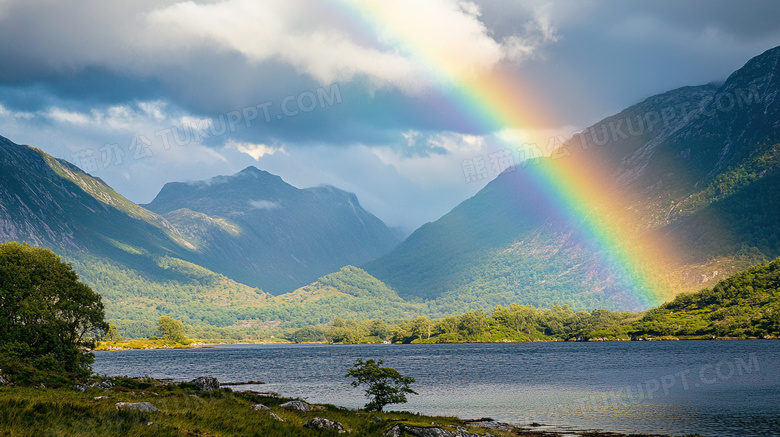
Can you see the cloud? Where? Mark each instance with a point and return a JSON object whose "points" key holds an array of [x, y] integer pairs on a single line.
{"points": [[397, 47], [536, 33], [386, 43], [87, 74], [7, 113], [65, 116], [256, 151]]}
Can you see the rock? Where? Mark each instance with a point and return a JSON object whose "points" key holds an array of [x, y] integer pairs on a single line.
{"points": [[323, 423], [3, 381], [100, 397], [206, 383], [259, 407], [436, 432], [490, 423], [145, 407], [428, 432], [277, 417], [463, 432], [393, 432], [296, 405], [103, 385]]}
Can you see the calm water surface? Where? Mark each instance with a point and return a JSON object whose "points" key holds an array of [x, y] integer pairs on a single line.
{"points": [[724, 388]]}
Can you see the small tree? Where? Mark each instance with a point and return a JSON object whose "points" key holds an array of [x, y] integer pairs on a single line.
{"points": [[172, 329], [384, 384]]}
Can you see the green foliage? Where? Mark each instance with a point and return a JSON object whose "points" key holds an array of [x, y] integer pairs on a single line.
{"points": [[308, 334], [172, 330], [112, 334], [745, 305], [46, 316], [385, 385]]}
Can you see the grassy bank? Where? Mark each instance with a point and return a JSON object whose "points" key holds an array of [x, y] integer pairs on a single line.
{"points": [[186, 411]]}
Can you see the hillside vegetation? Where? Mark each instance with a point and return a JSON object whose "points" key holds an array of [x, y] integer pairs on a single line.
{"points": [[746, 305]]}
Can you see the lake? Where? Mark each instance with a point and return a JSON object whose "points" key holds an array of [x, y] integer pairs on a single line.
{"points": [[716, 388]]}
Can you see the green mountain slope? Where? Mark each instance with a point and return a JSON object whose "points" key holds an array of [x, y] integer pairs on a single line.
{"points": [[48, 202], [145, 267], [203, 299], [692, 169]]}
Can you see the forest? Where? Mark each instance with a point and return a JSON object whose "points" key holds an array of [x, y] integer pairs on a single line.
{"points": [[745, 305]]}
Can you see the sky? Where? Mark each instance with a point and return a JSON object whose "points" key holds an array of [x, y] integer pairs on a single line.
{"points": [[349, 93]]}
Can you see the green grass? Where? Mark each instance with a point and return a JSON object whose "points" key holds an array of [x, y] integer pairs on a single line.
{"points": [[184, 411]]}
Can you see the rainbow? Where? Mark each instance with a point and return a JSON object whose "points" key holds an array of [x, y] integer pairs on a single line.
{"points": [[572, 185]]}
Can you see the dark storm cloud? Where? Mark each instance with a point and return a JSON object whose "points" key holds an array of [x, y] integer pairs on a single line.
{"points": [[613, 54], [83, 74], [91, 53]]}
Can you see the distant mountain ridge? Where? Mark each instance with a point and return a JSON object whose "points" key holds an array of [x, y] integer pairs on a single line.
{"points": [[146, 265], [707, 178], [252, 226], [261, 231], [699, 166]]}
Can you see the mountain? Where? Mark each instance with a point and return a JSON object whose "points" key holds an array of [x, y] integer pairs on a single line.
{"points": [[697, 166], [135, 258], [145, 265], [261, 231], [49, 202]]}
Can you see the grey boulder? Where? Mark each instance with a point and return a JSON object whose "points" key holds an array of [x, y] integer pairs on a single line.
{"points": [[323, 423], [296, 405], [259, 407], [437, 432], [206, 383]]}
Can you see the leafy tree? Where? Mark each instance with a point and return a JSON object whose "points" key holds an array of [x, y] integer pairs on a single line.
{"points": [[172, 329], [421, 327], [384, 384], [307, 334], [447, 325], [473, 323], [378, 328], [47, 317], [112, 334]]}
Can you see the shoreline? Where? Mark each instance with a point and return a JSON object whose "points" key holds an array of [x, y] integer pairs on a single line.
{"points": [[105, 347], [191, 408]]}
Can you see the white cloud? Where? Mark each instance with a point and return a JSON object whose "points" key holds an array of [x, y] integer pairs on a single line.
{"points": [[400, 45], [536, 33], [7, 113], [70, 117], [256, 151]]}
